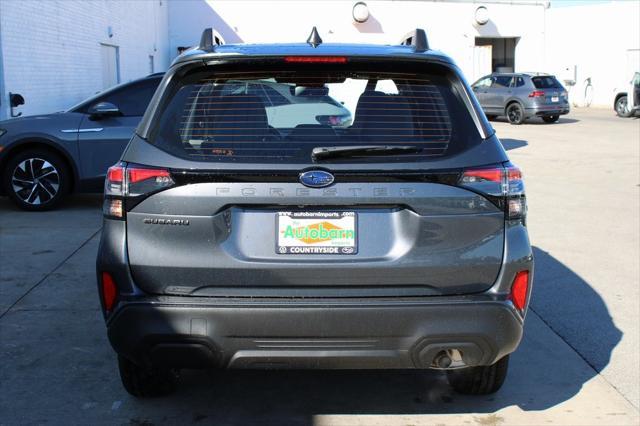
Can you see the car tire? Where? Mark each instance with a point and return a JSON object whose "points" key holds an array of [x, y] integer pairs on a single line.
{"points": [[146, 382], [622, 107], [550, 118], [515, 113], [36, 180], [481, 380]]}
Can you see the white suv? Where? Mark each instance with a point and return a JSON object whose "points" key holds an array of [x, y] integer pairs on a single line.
{"points": [[627, 102]]}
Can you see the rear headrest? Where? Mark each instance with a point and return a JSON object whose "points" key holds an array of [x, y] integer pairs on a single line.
{"points": [[366, 102], [382, 117]]}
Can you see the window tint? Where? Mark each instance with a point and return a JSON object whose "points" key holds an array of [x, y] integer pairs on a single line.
{"points": [[133, 99], [546, 82], [501, 81], [232, 116], [519, 82]]}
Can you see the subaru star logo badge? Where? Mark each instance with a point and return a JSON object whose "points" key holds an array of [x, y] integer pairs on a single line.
{"points": [[316, 178]]}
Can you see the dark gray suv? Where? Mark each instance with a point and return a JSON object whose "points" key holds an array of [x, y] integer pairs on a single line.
{"points": [[521, 96], [398, 241]]}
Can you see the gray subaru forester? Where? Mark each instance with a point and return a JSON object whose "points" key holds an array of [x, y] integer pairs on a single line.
{"points": [[398, 241]]}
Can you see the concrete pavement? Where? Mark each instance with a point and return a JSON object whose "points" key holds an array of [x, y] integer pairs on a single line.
{"points": [[578, 363], [583, 188]]}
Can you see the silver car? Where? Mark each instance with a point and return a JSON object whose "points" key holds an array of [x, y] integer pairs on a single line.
{"points": [[520, 96]]}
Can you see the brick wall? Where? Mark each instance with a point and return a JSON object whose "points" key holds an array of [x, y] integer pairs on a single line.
{"points": [[51, 48]]}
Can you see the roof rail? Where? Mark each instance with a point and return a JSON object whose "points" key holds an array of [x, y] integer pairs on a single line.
{"points": [[210, 39], [416, 38]]}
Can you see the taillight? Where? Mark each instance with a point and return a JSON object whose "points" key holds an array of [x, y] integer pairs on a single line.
{"points": [[141, 181], [125, 182], [537, 94], [115, 180], [483, 175], [502, 182], [109, 291], [114, 186], [516, 199], [519, 290]]}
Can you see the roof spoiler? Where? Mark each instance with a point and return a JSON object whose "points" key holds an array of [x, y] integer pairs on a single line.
{"points": [[416, 38], [210, 39]]}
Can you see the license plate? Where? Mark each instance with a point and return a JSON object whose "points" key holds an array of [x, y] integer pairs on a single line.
{"points": [[316, 233], [555, 99]]}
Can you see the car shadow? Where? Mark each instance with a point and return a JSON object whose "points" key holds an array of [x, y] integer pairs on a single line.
{"points": [[510, 144], [544, 372], [574, 310]]}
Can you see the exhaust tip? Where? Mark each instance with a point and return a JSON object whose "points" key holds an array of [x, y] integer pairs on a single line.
{"points": [[448, 359], [442, 360]]}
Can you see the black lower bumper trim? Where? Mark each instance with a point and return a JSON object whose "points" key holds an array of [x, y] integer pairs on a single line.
{"points": [[296, 336]]}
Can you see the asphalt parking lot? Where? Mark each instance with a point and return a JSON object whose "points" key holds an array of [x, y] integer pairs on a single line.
{"points": [[578, 363]]}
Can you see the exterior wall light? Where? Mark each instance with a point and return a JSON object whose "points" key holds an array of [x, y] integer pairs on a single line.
{"points": [[360, 12], [481, 15]]}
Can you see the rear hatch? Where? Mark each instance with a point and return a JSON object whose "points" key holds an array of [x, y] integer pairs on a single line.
{"points": [[549, 91], [229, 204]]}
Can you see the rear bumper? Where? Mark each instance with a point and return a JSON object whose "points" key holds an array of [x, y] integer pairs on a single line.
{"points": [[382, 332], [544, 110], [175, 332]]}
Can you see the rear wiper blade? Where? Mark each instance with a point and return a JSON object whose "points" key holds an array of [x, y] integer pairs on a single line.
{"points": [[325, 152]]}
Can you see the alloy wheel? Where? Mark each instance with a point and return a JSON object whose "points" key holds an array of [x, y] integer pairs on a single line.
{"points": [[514, 114], [622, 106], [35, 181]]}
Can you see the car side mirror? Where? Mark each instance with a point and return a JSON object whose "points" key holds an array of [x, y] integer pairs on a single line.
{"points": [[475, 88], [15, 100], [104, 109]]}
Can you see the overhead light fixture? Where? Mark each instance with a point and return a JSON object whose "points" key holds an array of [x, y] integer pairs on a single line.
{"points": [[360, 12], [481, 15]]}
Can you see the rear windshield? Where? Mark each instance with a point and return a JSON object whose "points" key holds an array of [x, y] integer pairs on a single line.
{"points": [[281, 115], [546, 82]]}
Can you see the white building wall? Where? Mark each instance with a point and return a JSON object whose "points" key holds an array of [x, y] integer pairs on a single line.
{"points": [[450, 25], [600, 40], [596, 41], [51, 48]]}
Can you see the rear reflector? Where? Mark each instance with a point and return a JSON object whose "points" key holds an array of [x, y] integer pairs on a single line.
{"points": [[519, 290], [109, 291], [536, 94], [316, 59]]}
